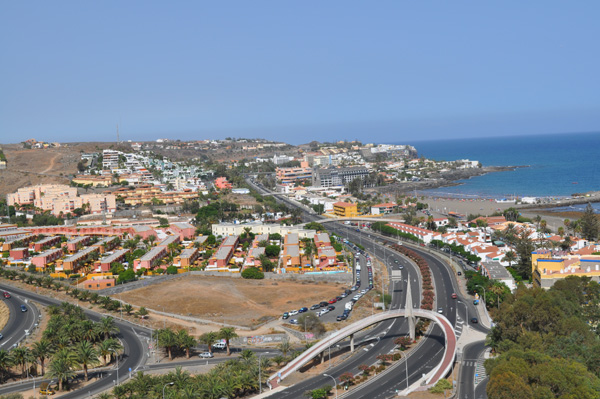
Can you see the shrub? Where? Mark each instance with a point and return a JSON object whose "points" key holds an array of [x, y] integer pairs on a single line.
{"points": [[253, 273]]}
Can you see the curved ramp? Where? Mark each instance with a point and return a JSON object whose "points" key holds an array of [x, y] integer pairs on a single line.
{"points": [[438, 373]]}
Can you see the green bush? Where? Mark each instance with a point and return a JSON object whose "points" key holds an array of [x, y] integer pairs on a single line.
{"points": [[441, 386], [253, 273]]}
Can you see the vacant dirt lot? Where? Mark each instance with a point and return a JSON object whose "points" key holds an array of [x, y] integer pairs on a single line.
{"points": [[229, 300], [4, 315]]}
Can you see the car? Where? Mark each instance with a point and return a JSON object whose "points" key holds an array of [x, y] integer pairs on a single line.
{"points": [[206, 355], [1, 336], [339, 298], [459, 273], [323, 304], [293, 321], [332, 300], [219, 345], [440, 310], [286, 315], [476, 302], [343, 295], [474, 320], [348, 292], [293, 312], [317, 306], [23, 308], [302, 310], [6, 295], [395, 260], [363, 292], [454, 296], [341, 317], [331, 307]]}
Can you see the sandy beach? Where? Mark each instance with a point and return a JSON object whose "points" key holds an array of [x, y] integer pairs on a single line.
{"points": [[486, 207]]}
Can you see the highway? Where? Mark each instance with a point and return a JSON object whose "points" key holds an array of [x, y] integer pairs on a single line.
{"points": [[130, 335], [424, 358], [19, 323]]}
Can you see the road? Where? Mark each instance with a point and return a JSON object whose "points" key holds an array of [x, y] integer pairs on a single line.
{"points": [[19, 323], [130, 335], [429, 353]]}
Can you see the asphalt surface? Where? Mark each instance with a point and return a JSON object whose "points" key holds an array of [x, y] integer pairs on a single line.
{"points": [[131, 336], [470, 370], [19, 323]]}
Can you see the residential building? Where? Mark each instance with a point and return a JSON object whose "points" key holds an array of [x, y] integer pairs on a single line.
{"points": [[224, 254], [45, 243], [495, 271], [221, 183], [345, 209], [225, 229], [151, 259], [423, 234], [384, 209], [322, 240], [10, 232], [19, 253], [291, 256], [42, 260], [99, 284], [549, 267], [74, 262], [338, 176], [253, 258], [185, 231], [76, 243], [291, 175], [94, 180], [187, 257], [107, 262]]}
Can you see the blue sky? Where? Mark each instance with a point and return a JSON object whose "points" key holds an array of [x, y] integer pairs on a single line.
{"points": [[385, 71]]}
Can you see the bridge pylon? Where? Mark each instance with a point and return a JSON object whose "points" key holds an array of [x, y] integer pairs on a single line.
{"points": [[412, 322]]}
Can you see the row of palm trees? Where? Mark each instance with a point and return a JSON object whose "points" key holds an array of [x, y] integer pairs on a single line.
{"points": [[176, 342], [70, 341], [105, 302], [234, 378]]}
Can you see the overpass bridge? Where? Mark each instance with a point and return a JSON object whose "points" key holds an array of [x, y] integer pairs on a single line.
{"points": [[439, 372]]}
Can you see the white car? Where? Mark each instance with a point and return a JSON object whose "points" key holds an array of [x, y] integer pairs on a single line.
{"points": [[293, 313], [206, 355], [440, 310], [219, 345]]}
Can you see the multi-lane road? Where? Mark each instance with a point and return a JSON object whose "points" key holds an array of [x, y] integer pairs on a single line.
{"points": [[429, 353], [20, 324]]}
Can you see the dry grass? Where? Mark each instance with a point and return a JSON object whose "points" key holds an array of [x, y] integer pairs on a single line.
{"points": [[232, 300], [4, 315]]}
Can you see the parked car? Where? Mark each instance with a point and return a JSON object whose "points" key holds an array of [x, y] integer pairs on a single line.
{"points": [[293, 321], [459, 273], [440, 310], [206, 355], [341, 317], [313, 307], [323, 304], [302, 310], [219, 345], [474, 320], [333, 300], [1, 336], [293, 312], [331, 307], [286, 315]]}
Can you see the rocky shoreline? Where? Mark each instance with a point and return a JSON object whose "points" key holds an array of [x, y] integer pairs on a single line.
{"points": [[444, 179]]}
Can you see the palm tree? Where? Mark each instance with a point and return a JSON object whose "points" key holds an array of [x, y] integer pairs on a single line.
{"points": [[227, 333], [185, 342], [61, 370], [86, 355], [108, 327], [42, 350], [5, 363], [510, 257], [141, 384], [57, 286], [209, 339], [21, 355], [152, 238], [285, 347], [247, 356], [142, 312], [278, 360], [168, 339], [128, 309]]}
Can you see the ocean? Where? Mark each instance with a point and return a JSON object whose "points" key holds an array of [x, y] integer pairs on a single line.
{"points": [[558, 165]]}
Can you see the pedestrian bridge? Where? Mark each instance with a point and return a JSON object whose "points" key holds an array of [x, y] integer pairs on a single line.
{"points": [[442, 369]]}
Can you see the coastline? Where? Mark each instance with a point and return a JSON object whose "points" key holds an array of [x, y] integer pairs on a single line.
{"points": [[444, 179]]}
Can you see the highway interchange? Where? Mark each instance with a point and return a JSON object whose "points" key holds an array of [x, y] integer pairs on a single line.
{"points": [[375, 341]]}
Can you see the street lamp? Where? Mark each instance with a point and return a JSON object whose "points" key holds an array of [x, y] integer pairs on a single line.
{"points": [[466, 314], [334, 384], [483, 291], [259, 373], [117, 356], [167, 384]]}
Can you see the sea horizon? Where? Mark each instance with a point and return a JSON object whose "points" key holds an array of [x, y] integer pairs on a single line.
{"points": [[557, 165]]}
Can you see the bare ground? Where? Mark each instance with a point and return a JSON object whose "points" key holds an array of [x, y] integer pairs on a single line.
{"points": [[229, 300], [4, 315]]}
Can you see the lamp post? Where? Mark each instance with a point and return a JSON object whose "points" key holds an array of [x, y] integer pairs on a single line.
{"points": [[466, 314], [483, 291], [334, 384], [166, 385], [117, 356], [259, 373]]}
